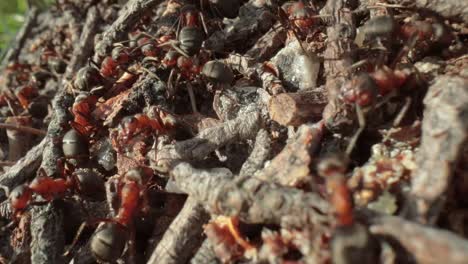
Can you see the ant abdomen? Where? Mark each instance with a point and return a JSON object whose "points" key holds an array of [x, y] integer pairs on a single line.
{"points": [[108, 242]]}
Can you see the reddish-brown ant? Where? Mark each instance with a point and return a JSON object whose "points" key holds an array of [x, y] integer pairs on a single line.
{"points": [[299, 14], [108, 241], [139, 125], [26, 93], [333, 170], [84, 181], [81, 110]]}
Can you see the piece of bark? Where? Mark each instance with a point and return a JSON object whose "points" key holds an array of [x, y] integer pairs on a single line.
{"points": [[268, 44], [425, 244], [84, 47], [184, 235], [291, 166], [339, 56], [172, 206], [444, 134], [254, 19], [454, 9], [258, 156], [295, 109], [250, 68], [25, 168], [245, 126], [253, 200], [48, 238], [205, 254], [132, 12], [23, 34], [48, 241]]}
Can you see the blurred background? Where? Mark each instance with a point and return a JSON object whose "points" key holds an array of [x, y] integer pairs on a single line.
{"points": [[12, 15], [11, 18]]}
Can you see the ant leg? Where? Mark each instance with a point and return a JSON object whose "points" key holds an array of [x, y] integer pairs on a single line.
{"points": [[131, 246], [362, 125], [150, 73], [202, 19], [6, 189], [192, 98], [401, 114], [170, 87], [80, 232], [91, 62], [172, 44]]}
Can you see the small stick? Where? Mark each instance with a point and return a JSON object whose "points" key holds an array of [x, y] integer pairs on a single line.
{"points": [[294, 109], [23, 34], [252, 200], [119, 29], [205, 254], [243, 127], [291, 166], [444, 246], [24, 129], [444, 134], [183, 236], [258, 156]]}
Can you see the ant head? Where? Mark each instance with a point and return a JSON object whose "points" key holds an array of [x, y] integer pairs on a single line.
{"points": [[361, 90], [335, 164], [108, 242], [188, 9], [74, 145], [86, 78], [120, 55], [170, 59], [20, 197], [140, 175], [128, 122]]}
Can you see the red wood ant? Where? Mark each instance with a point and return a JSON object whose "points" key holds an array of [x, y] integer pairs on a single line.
{"points": [[333, 170], [26, 93], [137, 125], [87, 78], [301, 15], [189, 37], [84, 181], [120, 56], [363, 90], [108, 242], [385, 26], [81, 110]]}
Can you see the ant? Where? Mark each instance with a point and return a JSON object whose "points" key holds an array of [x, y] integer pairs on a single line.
{"points": [[420, 32], [301, 16], [333, 170], [83, 181], [364, 89], [120, 56], [139, 124], [189, 36], [109, 240], [81, 110]]}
